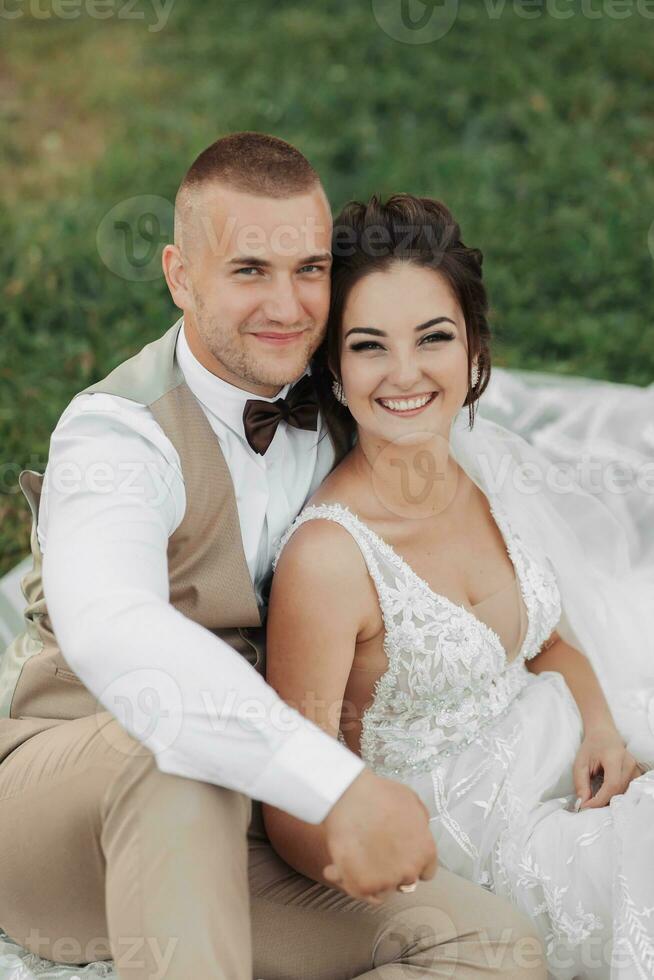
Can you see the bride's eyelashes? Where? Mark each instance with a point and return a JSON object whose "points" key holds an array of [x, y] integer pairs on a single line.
{"points": [[372, 344]]}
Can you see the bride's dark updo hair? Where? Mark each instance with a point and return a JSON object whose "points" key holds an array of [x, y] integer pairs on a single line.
{"points": [[371, 238]]}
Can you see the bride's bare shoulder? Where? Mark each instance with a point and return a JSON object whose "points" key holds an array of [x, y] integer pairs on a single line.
{"points": [[322, 563], [320, 547]]}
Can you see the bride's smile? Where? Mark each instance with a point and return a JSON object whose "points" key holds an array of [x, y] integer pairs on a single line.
{"points": [[410, 405]]}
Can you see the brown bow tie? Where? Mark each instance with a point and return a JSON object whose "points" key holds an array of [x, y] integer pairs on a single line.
{"points": [[299, 408]]}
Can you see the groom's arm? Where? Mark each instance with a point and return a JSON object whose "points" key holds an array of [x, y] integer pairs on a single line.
{"points": [[200, 708]]}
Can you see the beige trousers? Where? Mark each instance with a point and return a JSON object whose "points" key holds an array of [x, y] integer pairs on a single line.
{"points": [[102, 856]]}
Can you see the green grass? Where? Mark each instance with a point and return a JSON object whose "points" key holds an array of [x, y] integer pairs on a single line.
{"points": [[536, 132]]}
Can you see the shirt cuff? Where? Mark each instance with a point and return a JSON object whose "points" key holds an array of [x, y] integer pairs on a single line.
{"points": [[307, 775]]}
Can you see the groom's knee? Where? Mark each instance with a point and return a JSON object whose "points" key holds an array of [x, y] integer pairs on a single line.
{"points": [[456, 928], [510, 944]]}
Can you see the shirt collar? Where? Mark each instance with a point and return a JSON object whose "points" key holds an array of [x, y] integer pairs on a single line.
{"points": [[223, 399]]}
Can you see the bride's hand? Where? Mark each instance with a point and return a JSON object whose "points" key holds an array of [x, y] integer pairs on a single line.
{"points": [[603, 751]]}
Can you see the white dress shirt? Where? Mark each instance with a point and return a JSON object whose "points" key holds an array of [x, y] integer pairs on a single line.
{"points": [[112, 496]]}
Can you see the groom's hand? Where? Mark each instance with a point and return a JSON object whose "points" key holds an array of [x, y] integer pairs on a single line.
{"points": [[378, 838]]}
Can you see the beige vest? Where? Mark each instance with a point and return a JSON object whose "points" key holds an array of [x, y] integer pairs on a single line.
{"points": [[209, 578]]}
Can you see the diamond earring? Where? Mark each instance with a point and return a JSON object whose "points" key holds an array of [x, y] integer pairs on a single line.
{"points": [[474, 378], [339, 394]]}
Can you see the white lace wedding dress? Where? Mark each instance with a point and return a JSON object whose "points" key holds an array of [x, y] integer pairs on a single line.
{"points": [[489, 748]]}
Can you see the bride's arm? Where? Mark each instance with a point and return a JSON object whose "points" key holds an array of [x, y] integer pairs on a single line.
{"points": [[603, 747], [315, 614], [580, 678]]}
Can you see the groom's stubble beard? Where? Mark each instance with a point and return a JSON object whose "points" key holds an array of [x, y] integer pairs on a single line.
{"points": [[232, 348]]}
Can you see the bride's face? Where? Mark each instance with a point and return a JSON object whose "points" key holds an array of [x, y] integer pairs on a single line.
{"points": [[404, 353]]}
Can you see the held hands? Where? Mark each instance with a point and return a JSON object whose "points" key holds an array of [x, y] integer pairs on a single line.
{"points": [[603, 755], [378, 838]]}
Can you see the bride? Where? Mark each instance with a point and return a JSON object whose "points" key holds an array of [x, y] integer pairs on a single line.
{"points": [[462, 618]]}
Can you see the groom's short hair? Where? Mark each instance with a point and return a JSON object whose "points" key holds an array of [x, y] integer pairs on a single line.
{"points": [[254, 163]]}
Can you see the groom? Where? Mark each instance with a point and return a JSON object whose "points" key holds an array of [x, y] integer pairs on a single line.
{"points": [[134, 731]]}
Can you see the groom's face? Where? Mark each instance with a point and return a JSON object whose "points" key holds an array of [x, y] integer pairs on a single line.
{"points": [[252, 275]]}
